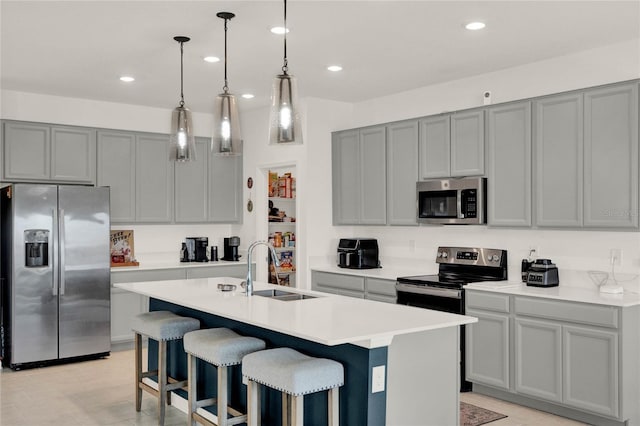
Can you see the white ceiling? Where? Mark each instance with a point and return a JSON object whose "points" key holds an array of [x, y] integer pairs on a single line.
{"points": [[80, 48]]}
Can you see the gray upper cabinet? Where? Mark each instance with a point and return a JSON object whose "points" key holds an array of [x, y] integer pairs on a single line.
{"points": [[559, 153], [154, 179], [467, 143], [402, 172], [192, 186], [509, 164], [611, 157], [41, 152], [435, 147], [116, 169], [225, 188], [359, 176]]}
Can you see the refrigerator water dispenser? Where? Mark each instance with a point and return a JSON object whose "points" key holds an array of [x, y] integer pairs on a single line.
{"points": [[36, 248]]}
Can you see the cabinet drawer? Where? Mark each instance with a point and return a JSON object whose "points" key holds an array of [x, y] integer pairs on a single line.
{"points": [[604, 316], [153, 275], [236, 271], [488, 301], [344, 282], [382, 287]]}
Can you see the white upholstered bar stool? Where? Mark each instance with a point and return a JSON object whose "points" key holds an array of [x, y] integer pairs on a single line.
{"points": [[161, 326], [295, 375], [223, 348]]}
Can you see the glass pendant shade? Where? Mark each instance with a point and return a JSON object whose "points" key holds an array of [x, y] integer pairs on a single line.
{"points": [[284, 122], [183, 143], [226, 139]]}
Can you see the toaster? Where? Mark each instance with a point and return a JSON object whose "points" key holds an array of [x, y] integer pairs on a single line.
{"points": [[543, 273], [358, 253]]}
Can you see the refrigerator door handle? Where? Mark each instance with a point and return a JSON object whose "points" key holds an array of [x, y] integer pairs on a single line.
{"points": [[54, 252], [61, 248]]}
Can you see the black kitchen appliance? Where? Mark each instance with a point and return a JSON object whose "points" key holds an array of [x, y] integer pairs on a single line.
{"points": [[231, 245], [358, 253], [458, 266], [202, 243], [543, 273]]}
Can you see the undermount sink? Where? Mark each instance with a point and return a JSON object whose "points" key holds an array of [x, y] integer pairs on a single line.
{"points": [[282, 295]]}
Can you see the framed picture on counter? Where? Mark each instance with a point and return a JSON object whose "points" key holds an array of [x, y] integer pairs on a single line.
{"points": [[122, 248]]}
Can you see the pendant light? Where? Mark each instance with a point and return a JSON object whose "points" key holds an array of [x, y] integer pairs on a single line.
{"points": [[226, 138], [284, 123], [183, 143]]}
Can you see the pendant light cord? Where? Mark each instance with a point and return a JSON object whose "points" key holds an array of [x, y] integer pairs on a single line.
{"points": [[285, 66], [226, 83], [181, 74]]}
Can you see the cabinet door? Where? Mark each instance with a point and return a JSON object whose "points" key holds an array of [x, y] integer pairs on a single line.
{"points": [[27, 153], [345, 154], [611, 157], [591, 370], [345, 285], [225, 189], [116, 169], [154, 179], [487, 349], [509, 165], [381, 290], [191, 186], [467, 143], [124, 307], [373, 176], [73, 154], [402, 172], [435, 147], [558, 153], [538, 359]]}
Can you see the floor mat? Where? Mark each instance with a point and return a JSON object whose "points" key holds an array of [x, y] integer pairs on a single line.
{"points": [[470, 415]]}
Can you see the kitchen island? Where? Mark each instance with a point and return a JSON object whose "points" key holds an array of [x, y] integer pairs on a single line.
{"points": [[401, 363]]}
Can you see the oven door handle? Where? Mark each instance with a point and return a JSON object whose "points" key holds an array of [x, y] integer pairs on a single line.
{"points": [[431, 291]]}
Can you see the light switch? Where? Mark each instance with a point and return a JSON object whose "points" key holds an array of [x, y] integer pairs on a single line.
{"points": [[377, 379]]}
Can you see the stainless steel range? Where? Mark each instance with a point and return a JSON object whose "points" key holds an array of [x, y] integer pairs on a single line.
{"points": [[458, 266]]}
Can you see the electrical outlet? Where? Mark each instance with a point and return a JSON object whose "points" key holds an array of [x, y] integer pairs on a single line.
{"points": [[533, 253], [615, 256], [377, 379], [412, 246]]}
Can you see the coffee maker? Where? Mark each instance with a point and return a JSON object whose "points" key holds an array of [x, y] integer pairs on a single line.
{"points": [[231, 245], [202, 243]]}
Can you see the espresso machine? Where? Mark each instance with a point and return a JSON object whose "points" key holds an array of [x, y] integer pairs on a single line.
{"points": [[231, 245]]}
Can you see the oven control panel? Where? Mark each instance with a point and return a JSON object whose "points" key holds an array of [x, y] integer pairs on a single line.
{"points": [[471, 256]]}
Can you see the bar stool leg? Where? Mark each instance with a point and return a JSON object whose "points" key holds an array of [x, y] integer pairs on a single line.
{"points": [[297, 410], [162, 380], [192, 388], [222, 396], [138, 355], [334, 407], [286, 420], [253, 408]]}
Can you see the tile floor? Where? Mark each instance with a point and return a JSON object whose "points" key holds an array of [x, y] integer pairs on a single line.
{"points": [[101, 392]]}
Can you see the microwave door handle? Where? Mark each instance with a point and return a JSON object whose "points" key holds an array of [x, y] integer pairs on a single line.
{"points": [[459, 212]]}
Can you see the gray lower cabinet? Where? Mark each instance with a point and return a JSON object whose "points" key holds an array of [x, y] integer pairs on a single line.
{"points": [[154, 179], [192, 186], [467, 143], [538, 363], [235, 271], [48, 153], [402, 172], [509, 165], [116, 169], [381, 290], [225, 189], [359, 177]]}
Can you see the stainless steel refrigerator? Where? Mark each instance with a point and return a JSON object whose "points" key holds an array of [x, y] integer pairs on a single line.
{"points": [[55, 270]]}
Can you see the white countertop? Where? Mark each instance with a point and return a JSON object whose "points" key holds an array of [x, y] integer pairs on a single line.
{"points": [[163, 264], [561, 292], [328, 319]]}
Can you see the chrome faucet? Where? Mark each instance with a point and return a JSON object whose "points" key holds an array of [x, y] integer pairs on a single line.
{"points": [[249, 284]]}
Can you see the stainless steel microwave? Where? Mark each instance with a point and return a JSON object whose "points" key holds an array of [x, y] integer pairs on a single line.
{"points": [[461, 201]]}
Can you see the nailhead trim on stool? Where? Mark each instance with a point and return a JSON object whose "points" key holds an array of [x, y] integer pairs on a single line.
{"points": [[294, 374], [161, 326], [223, 348]]}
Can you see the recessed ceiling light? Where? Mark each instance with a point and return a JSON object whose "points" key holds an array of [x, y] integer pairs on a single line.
{"points": [[334, 68], [248, 96], [211, 59], [279, 30], [475, 26], [127, 79]]}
